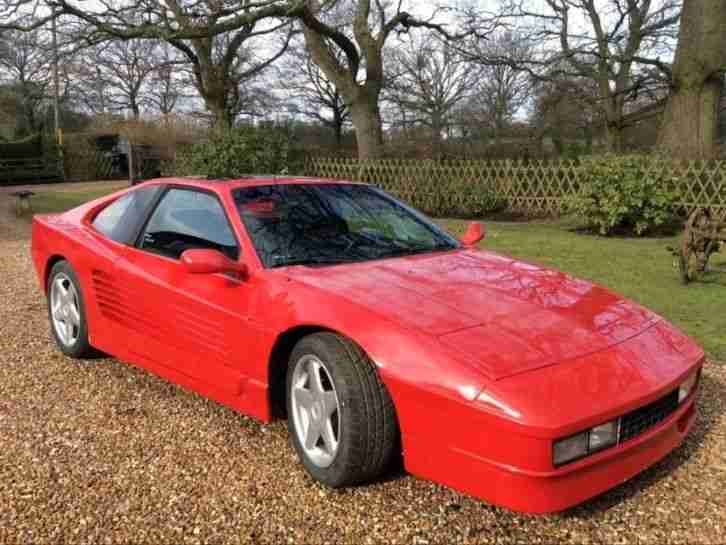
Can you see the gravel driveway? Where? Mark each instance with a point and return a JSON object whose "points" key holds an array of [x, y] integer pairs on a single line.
{"points": [[97, 452]]}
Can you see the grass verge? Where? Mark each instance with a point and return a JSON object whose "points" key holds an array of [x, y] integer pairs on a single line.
{"points": [[49, 202]]}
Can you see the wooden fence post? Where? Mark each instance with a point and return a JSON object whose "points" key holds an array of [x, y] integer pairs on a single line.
{"points": [[130, 157]]}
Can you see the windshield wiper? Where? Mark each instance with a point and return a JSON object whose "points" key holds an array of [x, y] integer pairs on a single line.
{"points": [[412, 249], [397, 245], [315, 260]]}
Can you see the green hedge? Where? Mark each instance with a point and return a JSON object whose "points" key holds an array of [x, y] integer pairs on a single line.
{"points": [[30, 147], [239, 152], [450, 198]]}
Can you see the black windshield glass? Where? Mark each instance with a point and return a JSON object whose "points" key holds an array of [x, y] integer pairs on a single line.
{"points": [[324, 224]]}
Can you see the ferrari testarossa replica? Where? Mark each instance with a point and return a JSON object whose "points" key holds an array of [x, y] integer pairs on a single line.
{"points": [[375, 332]]}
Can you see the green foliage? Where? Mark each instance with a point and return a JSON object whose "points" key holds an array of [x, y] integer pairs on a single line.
{"points": [[29, 147], [53, 201], [82, 160], [457, 198], [576, 149], [624, 194], [239, 152], [438, 188]]}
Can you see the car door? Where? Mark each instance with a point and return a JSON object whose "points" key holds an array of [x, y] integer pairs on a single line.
{"points": [[110, 304], [196, 325]]}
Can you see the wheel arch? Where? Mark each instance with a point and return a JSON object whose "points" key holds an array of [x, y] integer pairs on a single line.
{"points": [[49, 264], [279, 360]]}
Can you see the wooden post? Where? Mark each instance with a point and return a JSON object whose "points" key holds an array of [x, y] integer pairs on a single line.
{"points": [[130, 156], [56, 84]]}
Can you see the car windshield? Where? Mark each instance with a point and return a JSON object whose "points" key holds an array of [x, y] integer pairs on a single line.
{"points": [[327, 224]]}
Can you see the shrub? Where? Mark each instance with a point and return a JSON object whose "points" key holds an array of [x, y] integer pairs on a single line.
{"points": [[466, 198], [81, 159], [624, 194], [451, 198], [28, 147], [438, 188], [239, 152]]}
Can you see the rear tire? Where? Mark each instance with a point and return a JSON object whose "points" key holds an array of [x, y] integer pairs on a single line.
{"points": [[67, 312], [344, 429]]}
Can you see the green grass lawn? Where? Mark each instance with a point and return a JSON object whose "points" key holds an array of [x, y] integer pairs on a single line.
{"points": [[48, 202], [639, 268]]}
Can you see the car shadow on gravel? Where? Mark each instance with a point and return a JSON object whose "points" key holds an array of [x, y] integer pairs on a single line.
{"points": [[708, 413], [168, 392]]}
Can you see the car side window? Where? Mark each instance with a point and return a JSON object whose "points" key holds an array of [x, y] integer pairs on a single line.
{"points": [[186, 219], [121, 219]]}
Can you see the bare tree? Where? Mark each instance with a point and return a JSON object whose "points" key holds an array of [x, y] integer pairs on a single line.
{"points": [[209, 33], [254, 99], [312, 95], [167, 85], [121, 19], [193, 27], [25, 68], [125, 67], [502, 89], [221, 64], [565, 109], [92, 96], [615, 43], [360, 30], [430, 78], [690, 123]]}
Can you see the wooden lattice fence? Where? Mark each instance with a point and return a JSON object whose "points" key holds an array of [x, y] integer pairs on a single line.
{"points": [[87, 164], [533, 188]]}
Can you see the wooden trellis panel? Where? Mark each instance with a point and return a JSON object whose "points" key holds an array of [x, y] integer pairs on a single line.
{"points": [[703, 185], [87, 164], [533, 188]]}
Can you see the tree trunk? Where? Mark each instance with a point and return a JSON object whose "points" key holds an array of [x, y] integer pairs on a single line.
{"points": [[499, 122], [368, 128], [587, 131], [614, 138], [338, 129], [690, 121], [437, 125], [220, 116], [338, 135]]}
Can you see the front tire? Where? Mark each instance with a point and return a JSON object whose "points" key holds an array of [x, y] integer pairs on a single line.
{"points": [[67, 312], [341, 419]]}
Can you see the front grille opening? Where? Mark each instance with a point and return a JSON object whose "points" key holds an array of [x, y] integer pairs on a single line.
{"points": [[642, 419], [635, 423]]}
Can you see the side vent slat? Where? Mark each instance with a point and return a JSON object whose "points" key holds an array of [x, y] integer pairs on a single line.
{"points": [[197, 334]]}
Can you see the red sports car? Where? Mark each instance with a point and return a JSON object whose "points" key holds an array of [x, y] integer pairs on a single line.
{"points": [[375, 332]]}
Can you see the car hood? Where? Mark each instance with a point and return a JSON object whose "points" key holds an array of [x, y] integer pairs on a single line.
{"points": [[501, 315]]}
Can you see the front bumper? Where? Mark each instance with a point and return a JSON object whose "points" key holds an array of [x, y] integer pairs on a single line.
{"points": [[550, 491]]}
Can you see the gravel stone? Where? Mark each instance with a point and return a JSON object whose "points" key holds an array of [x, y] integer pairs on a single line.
{"points": [[101, 452]]}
